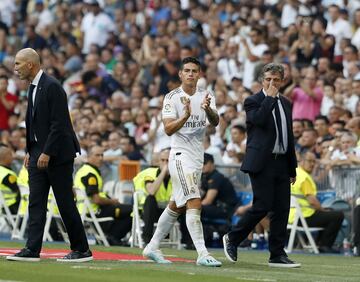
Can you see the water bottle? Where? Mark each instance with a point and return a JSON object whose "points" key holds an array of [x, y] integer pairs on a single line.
{"points": [[346, 247], [215, 240], [255, 241], [261, 242]]}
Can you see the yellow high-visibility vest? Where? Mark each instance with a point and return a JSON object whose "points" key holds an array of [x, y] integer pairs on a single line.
{"points": [[150, 174], [82, 172], [8, 194], [307, 210]]}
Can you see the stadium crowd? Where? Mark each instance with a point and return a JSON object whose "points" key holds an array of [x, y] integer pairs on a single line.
{"points": [[117, 60]]}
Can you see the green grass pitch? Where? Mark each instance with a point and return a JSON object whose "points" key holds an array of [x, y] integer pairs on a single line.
{"points": [[251, 266]]}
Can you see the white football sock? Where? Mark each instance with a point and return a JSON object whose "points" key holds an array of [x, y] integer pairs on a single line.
{"points": [[195, 228], [164, 225]]}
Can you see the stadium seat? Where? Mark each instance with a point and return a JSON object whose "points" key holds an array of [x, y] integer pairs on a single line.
{"points": [[174, 238], [325, 195], [295, 229], [244, 198]]}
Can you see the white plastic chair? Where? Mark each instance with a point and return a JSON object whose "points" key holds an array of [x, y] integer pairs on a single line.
{"points": [[53, 214], [137, 225], [300, 230], [22, 216], [91, 222], [5, 213]]}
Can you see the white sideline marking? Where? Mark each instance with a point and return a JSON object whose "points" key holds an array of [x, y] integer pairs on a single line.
{"points": [[256, 279], [91, 267]]}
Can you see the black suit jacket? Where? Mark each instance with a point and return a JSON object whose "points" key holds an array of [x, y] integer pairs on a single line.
{"points": [[261, 133], [51, 123]]}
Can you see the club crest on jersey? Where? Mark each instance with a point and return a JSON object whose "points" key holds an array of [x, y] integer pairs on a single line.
{"points": [[183, 100]]}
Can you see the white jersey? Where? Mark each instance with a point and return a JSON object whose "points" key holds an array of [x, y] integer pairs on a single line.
{"points": [[189, 138]]}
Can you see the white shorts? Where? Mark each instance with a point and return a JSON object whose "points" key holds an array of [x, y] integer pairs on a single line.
{"points": [[185, 178]]}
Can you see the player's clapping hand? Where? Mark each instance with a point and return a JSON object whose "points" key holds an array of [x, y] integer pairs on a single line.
{"points": [[187, 107], [206, 102]]}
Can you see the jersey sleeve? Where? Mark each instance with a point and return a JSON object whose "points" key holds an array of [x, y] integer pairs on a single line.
{"points": [[91, 184], [168, 110], [11, 182]]}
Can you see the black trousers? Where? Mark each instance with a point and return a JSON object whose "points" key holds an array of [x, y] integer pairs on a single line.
{"points": [[271, 190], [60, 179], [150, 214], [121, 225], [330, 221]]}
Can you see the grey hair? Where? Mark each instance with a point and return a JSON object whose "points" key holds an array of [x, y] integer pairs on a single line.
{"points": [[273, 68]]}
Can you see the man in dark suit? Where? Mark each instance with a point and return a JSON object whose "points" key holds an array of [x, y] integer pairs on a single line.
{"points": [[51, 148], [270, 161]]}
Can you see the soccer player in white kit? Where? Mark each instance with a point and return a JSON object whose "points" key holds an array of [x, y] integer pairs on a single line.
{"points": [[186, 113]]}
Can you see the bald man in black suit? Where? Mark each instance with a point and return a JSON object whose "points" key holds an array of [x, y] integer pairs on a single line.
{"points": [[51, 148]]}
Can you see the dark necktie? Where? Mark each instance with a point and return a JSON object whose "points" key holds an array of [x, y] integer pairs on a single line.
{"points": [[31, 112], [278, 123]]}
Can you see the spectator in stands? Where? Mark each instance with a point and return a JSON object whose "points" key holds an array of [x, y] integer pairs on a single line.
{"points": [[157, 136], [95, 26], [321, 125], [307, 97], [7, 103], [298, 128], [253, 48], [302, 49], [89, 179], [156, 185], [348, 153], [328, 100], [8, 185], [129, 149], [212, 150], [353, 125], [350, 55], [338, 27], [236, 145], [33, 39], [335, 113], [186, 37], [104, 86], [304, 189], [307, 140], [112, 156], [167, 65]]}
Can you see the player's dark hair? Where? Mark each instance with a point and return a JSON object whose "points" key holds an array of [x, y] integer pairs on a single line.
{"points": [[190, 60]]}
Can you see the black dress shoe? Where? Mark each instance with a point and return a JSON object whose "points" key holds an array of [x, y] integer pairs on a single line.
{"points": [[230, 250], [24, 255], [76, 256], [283, 261]]}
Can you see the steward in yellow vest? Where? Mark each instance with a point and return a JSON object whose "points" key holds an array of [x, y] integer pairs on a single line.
{"points": [[304, 189], [89, 179], [8, 185], [155, 183]]}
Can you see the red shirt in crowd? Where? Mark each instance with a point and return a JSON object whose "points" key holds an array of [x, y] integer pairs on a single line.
{"points": [[4, 113]]}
